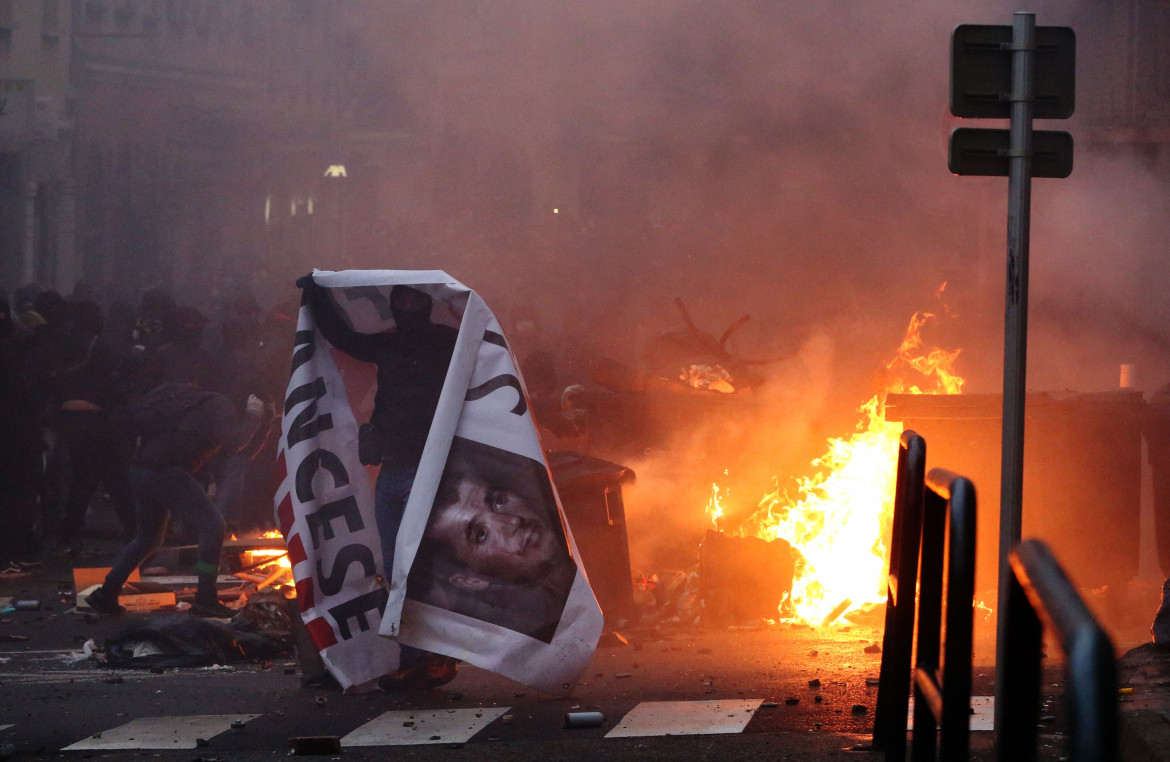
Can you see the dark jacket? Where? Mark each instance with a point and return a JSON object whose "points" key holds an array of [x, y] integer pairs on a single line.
{"points": [[205, 428], [412, 364]]}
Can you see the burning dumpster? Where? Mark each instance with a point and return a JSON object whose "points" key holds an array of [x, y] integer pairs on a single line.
{"points": [[1082, 472]]}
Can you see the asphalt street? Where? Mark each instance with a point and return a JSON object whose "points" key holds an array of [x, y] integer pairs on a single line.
{"points": [[671, 691]]}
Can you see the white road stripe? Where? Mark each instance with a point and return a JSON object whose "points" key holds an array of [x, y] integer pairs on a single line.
{"points": [[401, 728], [982, 715], [161, 732], [665, 718]]}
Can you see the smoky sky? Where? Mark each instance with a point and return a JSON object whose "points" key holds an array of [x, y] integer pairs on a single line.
{"points": [[779, 159]]}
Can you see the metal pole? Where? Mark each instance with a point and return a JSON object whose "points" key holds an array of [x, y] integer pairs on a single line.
{"points": [[1015, 328]]}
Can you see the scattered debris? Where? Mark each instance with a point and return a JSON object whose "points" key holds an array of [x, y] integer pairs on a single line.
{"points": [[743, 579], [182, 640], [612, 639], [873, 649], [769, 705], [872, 681], [311, 745], [792, 701], [814, 683], [837, 611], [584, 719], [859, 709]]}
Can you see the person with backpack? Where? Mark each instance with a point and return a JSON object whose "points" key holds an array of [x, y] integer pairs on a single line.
{"points": [[179, 427]]}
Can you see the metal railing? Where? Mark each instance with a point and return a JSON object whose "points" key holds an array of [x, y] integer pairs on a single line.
{"points": [[922, 505], [1040, 597], [893, 699], [942, 701]]}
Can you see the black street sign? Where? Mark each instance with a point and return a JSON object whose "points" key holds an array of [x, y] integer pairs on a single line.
{"points": [[981, 72], [986, 152]]}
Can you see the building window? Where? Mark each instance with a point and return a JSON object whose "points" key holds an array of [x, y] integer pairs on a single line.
{"points": [[95, 13], [50, 17], [5, 27], [124, 15]]}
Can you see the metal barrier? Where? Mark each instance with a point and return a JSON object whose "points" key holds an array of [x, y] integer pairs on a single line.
{"points": [[893, 699], [1041, 596], [944, 701]]}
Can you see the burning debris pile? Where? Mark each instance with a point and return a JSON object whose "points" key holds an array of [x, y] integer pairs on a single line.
{"points": [[838, 519], [812, 552]]}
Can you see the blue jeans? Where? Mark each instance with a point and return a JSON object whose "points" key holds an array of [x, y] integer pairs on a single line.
{"points": [[157, 492], [391, 491], [229, 484]]}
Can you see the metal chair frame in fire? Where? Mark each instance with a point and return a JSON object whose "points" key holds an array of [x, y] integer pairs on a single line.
{"points": [[922, 505], [1040, 596]]}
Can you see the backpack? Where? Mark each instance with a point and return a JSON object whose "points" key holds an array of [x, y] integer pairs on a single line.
{"points": [[163, 408]]}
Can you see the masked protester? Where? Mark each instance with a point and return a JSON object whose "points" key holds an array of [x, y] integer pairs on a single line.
{"points": [[180, 426], [411, 361]]}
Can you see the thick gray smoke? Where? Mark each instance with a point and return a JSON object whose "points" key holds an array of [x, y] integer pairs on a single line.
{"points": [[786, 160], [780, 159], [594, 161]]}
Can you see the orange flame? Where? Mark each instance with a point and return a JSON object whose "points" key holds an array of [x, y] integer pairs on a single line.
{"points": [[840, 515], [715, 506]]}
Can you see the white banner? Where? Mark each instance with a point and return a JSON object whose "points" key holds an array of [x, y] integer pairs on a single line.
{"points": [[484, 565]]}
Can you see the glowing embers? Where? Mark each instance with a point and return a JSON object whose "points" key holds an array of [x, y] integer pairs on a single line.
{"points": [[713, 378], [838, 518], [263, 560]]}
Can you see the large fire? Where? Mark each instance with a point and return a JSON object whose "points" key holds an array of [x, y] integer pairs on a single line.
{"points": [[840, 516]]}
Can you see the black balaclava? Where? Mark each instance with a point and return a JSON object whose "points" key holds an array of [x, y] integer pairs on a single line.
{"points": [[410, 317]]}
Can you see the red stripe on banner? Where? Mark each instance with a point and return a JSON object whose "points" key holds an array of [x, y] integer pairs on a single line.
{"points": [[281, 468], [284, 515], [321, 633], [305, 594], [296, 550]]}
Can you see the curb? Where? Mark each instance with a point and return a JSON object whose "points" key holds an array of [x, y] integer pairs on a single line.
{"points": [[1145, 736]]}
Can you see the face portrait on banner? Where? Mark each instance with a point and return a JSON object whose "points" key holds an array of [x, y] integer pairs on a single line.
{"points": [[494, 547]]}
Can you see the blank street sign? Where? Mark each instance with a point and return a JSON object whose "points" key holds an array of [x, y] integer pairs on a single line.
{"points": [[985, 152], [981, 72]]}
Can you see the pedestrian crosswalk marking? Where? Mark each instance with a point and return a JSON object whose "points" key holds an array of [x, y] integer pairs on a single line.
{"points": [[161, 732], [5, 727], [401, 728], [416, 727], [982, 714], [657, 718]]}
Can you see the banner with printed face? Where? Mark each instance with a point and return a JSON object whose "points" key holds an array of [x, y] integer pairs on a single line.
{"points": [[454, 540]]}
